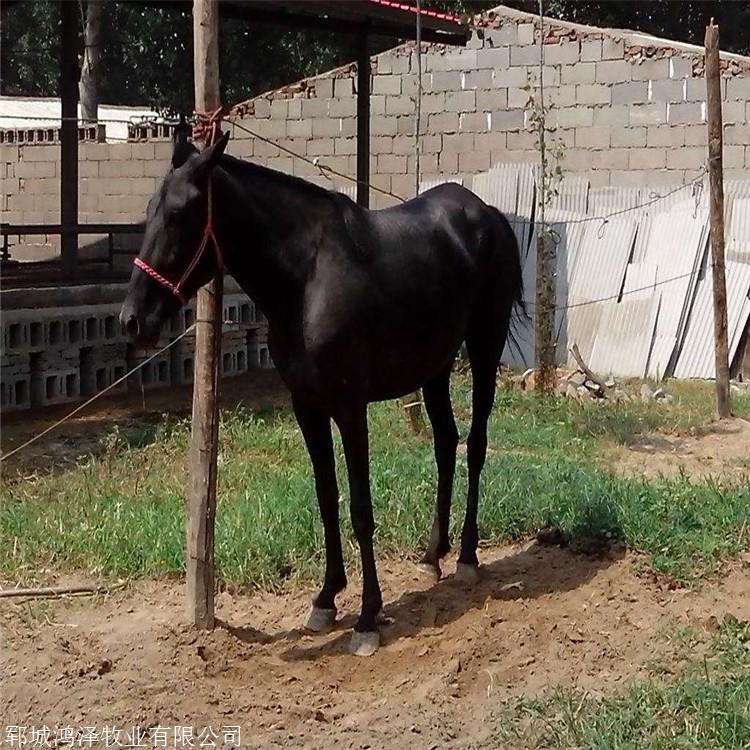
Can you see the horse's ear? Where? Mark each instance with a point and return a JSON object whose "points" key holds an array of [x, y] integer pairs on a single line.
{"points": [[183, 149], [209, 157]]}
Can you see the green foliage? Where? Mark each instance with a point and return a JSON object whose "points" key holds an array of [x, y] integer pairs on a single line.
{"points": [[147, 51]]}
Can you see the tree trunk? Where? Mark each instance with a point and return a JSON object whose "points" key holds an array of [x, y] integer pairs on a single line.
{"points": [[89, 84]]}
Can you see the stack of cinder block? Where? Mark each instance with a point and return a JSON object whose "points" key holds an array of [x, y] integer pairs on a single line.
{"points": [[62, 352]]}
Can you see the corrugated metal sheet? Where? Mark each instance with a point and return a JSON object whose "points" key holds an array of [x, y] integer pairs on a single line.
{"points": [[663, 199], [34, 112], [642, 234], [349, 189], [498, 187], [696, 358], [640, 280], [572, 195], [617, 291], [606, 200], [425, 185], [677, 245], [525, 206], [738, 230], [597, 271], [582, 326], [737, 188], [622, 343], [599, 268]]}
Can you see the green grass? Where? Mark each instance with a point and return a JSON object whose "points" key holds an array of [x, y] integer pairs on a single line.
{"points": [[120, 513], [706, 708]]}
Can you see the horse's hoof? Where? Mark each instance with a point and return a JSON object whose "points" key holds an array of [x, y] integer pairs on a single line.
{"points": [[429, 572], [468, 574], [364, 644], [320, 620]]}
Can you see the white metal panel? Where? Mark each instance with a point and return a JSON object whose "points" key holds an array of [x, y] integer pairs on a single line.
{"points": [[606, 200], [640, 280], [642, 236], [737, 188], [349, 189], [42, 112], [696, 359], [738, 230], [425, 185], [498, 187], [677, 245], [582, 319], [624, 335], [526, 197], [600, 262], [572, 195], [663, 199]]}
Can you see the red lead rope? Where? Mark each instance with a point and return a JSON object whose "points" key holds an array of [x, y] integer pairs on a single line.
{"points": [[206, 125]]}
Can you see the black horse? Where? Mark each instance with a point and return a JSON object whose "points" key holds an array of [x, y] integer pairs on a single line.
{"points": [[362, 306]]}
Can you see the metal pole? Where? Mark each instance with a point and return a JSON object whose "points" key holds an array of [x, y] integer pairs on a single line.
{"points": [[363, 122], [69, 137]]}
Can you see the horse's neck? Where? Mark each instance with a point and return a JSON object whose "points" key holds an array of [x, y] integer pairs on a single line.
{"points": [[267, 229]]}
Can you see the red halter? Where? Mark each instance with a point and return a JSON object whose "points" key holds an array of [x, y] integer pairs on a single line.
{"points": [[208, 232]]}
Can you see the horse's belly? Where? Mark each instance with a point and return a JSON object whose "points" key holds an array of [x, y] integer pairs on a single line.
{"points": [[409, 361]]}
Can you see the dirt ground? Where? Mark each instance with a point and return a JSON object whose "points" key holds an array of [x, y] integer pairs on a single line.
{"points": [[720, 450], [541, 616], [261, 389]]}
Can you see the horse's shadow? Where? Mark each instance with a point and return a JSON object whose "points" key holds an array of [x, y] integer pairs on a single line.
{"points": [[526, 574]]}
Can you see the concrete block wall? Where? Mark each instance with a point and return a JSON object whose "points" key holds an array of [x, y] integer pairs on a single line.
{"points": [[58, 352], [626, 109], [115, 180]]}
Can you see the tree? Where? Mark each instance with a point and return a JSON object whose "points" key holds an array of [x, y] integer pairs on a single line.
{"points": [[147, 52], [92, 52]]}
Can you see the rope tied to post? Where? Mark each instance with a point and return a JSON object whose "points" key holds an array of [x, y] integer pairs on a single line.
{"points": [[206, 126]]}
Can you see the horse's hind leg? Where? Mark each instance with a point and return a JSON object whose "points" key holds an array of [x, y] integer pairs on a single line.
{"points": [[438, 404], [485, 340]]}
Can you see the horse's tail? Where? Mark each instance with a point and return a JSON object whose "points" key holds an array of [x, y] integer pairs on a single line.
{"points": [[510, 252]]}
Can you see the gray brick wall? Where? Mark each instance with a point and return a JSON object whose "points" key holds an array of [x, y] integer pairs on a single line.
{"points": [[625, 109]]}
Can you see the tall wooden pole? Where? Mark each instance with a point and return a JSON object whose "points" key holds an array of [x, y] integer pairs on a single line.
{"points": [[716, 184], [201, 509], [413, 402]]}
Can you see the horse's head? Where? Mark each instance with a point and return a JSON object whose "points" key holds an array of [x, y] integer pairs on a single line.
{"points": [[174, 262]]}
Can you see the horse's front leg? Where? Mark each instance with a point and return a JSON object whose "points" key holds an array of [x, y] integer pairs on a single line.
{"points": [[316, 429], [352, 423]]}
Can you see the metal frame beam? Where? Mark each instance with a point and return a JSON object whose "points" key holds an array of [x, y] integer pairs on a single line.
{"points": [[363, 121], [69, 136]]}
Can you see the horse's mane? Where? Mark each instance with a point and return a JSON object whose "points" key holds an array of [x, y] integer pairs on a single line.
{"points": [[353, 217]]}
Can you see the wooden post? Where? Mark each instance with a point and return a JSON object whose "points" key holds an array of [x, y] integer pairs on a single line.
{"points": [[201, 508], [716, 184], [69, 20], [413, 402], [363, 122]]}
